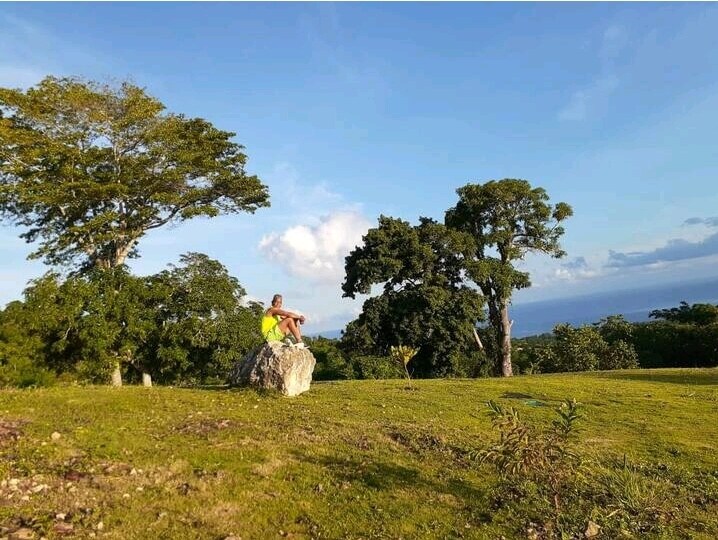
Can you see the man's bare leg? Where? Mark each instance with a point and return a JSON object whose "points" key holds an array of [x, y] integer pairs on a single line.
{"points": [[288, 324]]}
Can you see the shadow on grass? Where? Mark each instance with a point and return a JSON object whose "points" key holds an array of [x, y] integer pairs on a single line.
{"points": [[706, 378], [385, 476], [516, 395]]}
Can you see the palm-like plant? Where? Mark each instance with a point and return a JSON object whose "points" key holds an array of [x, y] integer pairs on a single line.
{"points": [[404, 354]]}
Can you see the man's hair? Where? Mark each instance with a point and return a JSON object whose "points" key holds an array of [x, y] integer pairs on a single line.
{"points": [[275, 298]]}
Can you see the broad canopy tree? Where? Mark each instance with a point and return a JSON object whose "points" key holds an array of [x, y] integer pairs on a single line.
{"points": [[424, 302], [507, 219], [88, 169]]}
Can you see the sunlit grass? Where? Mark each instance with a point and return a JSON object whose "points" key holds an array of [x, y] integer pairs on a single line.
{"points": [[352, 459]]}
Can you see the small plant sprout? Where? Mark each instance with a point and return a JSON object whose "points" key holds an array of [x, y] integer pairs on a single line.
{"points": [[404, 354]]}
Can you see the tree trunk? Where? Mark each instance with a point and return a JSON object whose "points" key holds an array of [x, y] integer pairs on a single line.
{"points": [[478, 339], [506, 324], [495, 346], [116, 375], [146, 379]]}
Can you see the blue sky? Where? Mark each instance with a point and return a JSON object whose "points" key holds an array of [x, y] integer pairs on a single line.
{"points": [[349, 111]]}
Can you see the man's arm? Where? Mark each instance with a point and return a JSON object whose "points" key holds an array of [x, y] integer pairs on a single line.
{"points": [[286, 314]]}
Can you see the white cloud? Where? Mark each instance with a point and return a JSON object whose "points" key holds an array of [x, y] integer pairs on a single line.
{"points": [[316, 252], [594, 95], [583, 101], [575, 269], [615, 38]]}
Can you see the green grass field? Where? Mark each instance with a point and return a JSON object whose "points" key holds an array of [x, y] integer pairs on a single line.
{"points": [[352, 459]]}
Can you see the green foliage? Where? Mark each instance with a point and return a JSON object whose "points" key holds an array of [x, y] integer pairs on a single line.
{"points": [[184, 325], [86, 324], [201, 327], [615, 328], [22, 372], [544, 457], [88, 169], [425, 272], [423, 302], [331, 362], [615, 343], [22, 359], [583, 349], [507, 219], [376, 367], [699, 314], [403, 355], [670, 344]]}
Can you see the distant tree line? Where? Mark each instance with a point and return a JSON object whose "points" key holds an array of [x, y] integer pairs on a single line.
{"points": [[685, 336]]}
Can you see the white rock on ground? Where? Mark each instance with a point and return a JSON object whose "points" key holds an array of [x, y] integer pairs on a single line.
{"points": [[275, 366]]}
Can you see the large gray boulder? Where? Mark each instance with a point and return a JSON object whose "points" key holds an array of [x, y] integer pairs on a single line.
{"points": [[275, 366]]}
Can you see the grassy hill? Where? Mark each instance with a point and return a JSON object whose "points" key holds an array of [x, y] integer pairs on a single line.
{"points": [[354, 459]]}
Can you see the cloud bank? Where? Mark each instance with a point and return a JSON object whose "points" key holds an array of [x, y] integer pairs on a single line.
{"points": [[674, 250], [316, 252]]}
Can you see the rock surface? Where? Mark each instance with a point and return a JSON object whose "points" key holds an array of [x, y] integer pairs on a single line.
{"points": [[275, 366]]}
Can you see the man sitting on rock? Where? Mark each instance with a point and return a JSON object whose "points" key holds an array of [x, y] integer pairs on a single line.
{"points": [[277, 323]]}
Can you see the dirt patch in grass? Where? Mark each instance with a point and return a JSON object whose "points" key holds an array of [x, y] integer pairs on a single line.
{"points": [[423, 442], [269, 467], [202, 426], [10, 430]]}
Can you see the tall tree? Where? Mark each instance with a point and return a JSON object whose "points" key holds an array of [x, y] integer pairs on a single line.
{"points": [[201, 323], [88, 169], [507, 219], [424, 302]]}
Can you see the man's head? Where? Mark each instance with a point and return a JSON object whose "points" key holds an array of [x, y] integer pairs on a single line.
{"points": [[277, 300]]}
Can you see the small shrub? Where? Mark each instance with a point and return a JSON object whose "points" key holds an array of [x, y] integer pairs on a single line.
{"points": [[331, 361], [403, 354], [376, 367], [23, 373], [544, 457]]}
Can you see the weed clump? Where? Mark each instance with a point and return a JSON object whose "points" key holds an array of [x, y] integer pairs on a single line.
{"points": [[549, 488]]}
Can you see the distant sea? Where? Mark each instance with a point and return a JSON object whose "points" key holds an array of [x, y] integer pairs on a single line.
{"points": [[634, 304], [534, 318]]}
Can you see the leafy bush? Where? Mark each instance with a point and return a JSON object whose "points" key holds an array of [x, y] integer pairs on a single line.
{"points": [[376, 367], [670, 344], [581, 349], [331, 362], [682, 337], [544, 458], [23, 373]]}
